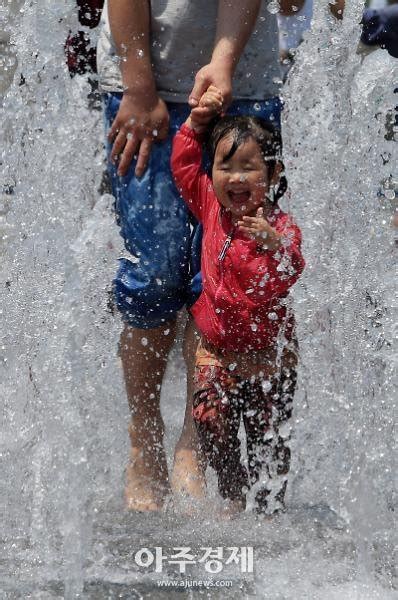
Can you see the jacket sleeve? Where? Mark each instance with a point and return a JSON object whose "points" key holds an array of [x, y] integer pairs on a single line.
{"points": [[186, 165], [286, 264]]}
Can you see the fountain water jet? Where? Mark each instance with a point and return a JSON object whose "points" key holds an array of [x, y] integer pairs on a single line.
{"points": [[335, 140]]}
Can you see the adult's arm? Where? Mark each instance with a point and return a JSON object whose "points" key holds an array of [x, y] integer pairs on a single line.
{"points": [[235, 22], [290, 7], [337, 9], [142, 116], [90, 12]]}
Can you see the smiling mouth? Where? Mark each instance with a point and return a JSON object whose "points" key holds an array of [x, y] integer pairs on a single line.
{"points": [[239, 197]]}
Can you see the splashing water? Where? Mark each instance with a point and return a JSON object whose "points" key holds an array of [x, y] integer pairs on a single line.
{"points": [[64, 435], [338, 159]]}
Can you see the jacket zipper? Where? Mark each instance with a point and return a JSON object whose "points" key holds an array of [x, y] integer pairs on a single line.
{"points": [[221, 258], [226, 245]]}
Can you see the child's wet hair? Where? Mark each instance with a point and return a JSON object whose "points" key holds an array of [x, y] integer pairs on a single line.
{"points": [[263, 133]]}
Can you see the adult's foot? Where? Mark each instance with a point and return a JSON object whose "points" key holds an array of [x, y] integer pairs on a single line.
{"points": [[146, 480], [188, 477]]}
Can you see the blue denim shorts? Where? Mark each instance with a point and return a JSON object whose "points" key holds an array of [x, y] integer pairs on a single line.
{"points": [[159, 233]]}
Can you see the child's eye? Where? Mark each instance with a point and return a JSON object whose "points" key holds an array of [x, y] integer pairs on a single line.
{"points": [[224, 167]]}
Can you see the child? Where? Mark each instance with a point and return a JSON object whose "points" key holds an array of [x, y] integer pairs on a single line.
{"points": [[245, 362]]}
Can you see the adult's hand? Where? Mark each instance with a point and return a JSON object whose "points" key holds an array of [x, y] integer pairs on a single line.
{"points": [[142, 117], [217, 74], [210, 105], [138, 124]]}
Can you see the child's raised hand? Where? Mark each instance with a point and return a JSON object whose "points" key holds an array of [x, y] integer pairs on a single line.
{"points": [[210, 105], [212, 99], [258, 229]]}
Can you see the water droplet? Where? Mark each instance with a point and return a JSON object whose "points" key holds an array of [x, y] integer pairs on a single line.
{"points": [[273, 7], [144, 341], [266, 385]]}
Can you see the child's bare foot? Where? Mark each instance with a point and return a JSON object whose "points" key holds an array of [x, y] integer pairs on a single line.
{"points": [[188, 476], [146, 480]]}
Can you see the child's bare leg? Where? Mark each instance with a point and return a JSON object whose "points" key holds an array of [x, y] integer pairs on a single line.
{"points": [[144, 355], [189, 465]]}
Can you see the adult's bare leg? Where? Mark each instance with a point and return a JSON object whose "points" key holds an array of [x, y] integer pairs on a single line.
{"points": [[188, 475], [144, 355]]}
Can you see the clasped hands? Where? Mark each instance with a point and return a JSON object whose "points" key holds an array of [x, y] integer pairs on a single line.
{"points": [[143, 118]]}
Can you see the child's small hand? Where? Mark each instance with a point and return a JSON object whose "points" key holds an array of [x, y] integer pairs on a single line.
{"points": [[210, 105], [212, 99], [258, 229]]}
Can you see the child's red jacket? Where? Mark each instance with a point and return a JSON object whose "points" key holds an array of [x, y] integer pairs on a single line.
{"points": [[242, 306]]}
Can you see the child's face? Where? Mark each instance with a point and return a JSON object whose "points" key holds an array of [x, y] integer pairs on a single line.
{"points": [[241, 182]]}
